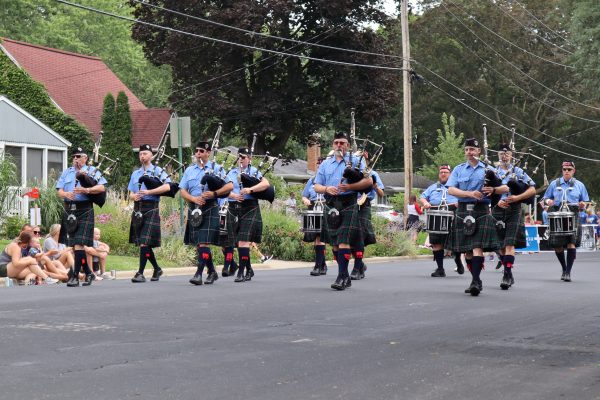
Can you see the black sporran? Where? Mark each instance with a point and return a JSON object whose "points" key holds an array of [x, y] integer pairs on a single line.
{"points": [[469, 225], [196, 217], [334, 219], [500, 228], [72, 223]]}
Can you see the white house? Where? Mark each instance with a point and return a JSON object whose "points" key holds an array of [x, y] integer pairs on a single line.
{"points": [[37, 150]]}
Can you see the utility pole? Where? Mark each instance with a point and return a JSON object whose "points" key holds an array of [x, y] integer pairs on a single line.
{"points": [[408, 168]]}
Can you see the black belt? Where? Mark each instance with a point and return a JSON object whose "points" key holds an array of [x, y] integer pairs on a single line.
{"points": [[146, 203], [78, 205], [345, 201], [249, 203], [208, 204], [476, 206]]}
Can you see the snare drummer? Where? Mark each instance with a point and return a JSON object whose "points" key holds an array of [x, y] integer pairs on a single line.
{"points": [[509, 212], [432, 198], [146, 233], [576, 195], [473, 231], [309, 197]]}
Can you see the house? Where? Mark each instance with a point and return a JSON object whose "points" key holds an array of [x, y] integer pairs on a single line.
{"points": [[37, 151], [78, 83]]}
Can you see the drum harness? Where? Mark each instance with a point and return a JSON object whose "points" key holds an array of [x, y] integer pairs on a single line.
{"points": [[443, 206]]}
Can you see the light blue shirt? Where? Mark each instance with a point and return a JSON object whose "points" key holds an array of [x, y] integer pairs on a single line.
{"points": [[331, 170], [466, 177], [193, 175], [309, 190], [433, 194], [153, 170], [520, 175], [232, 176], [373, 193], [576, 191], [68, 182]]}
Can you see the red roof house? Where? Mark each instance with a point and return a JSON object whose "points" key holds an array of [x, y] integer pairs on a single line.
{"points": [[78, 84]]}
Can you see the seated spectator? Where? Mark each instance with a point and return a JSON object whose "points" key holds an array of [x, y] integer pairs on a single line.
{"points": [[53, 268], [590, 217], [14, 265], [96, 256], [65, 254]]}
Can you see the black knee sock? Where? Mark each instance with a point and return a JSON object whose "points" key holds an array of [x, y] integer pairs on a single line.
{"points": [[358, 258], [144, 255], [458, 260], [319, 255], [227, 257], [571, 256], [508, 262], [469, 262], [476, 267], [244, 255], [438, 257], [343, 258], [201, 262], [561, 260], [81, 263], [205, 255], [152, 258]]}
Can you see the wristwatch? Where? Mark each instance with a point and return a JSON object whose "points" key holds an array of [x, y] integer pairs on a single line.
{"points": [[215, 194], [249, 190]]}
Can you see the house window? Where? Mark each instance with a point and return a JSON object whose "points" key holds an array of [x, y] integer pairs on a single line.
{"points": [[35, 170], [16, 154], [55, 164]]}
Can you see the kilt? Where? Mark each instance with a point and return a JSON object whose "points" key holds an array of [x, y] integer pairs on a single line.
{"points": [[149, 233], [485, 236], [249, 221], [514, 232], [208, 231], [230, 240], [364, 216], [310, 237], [562, 241], [439, 238], [350, 231], [84, 235]]}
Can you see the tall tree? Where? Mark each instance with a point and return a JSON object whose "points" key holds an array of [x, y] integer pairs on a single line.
{"points": [[449, 149], [254, 91]]}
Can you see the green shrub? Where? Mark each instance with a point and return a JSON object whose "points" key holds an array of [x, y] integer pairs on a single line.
{"points": [[51, 205], [11, 226]]}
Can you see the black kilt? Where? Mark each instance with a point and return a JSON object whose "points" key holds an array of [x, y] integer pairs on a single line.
{"points": [[441, 238], [485, 236], [514, 232], [364, 215], [555, 241], [249, 221], [350, 231], [208, 231], [84, 235], [310, 237], [149, 233], [230, 239]]}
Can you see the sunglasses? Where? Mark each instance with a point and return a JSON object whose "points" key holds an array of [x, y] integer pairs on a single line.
{"points": [[200, 151], [77, 155], [338, 142], [243, 157], [567, 169], [36, 232]]}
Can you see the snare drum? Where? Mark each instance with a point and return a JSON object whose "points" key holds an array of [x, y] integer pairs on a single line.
{"points": [[439, 221], [562, 223], [312, 221]]}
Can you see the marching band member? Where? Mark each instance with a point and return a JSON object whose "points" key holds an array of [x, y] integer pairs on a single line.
{"points": [[341, 224], [576, 195], [144, 230], [202, 228], [473, 230], [309, 197], [228, 243], [77, 225], [432, 197], [508, 211], [247, 210]]}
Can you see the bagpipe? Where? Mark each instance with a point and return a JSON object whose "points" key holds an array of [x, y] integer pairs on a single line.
{"points": [[490, 179], [211, 178], [89, 175], [247, 178], [155, 178]]}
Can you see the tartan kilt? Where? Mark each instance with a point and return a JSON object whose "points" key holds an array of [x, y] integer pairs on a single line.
{"points": [[249, 223], [485, 236], [310, 237], [562, 241], [349, 231], [230, 239], [208, 231], [368, 233], [149, 233], [514, 232], [84, 235]]}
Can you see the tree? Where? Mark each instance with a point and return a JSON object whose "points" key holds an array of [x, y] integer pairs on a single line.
{"points": [[448, 151], [253, 91]]}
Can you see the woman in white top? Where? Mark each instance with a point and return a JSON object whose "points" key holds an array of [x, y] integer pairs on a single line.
{"points": [[65, 254], [412, 222]]}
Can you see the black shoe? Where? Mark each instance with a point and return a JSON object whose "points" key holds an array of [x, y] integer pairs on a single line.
{"points": [[512, 279], [212, 276], [249, 274], [438, 273], [348, 282], [196, 279], [323, 269], [138, 278], [88, 279], [562, 278], [339, 284], [474, 289], [240, 276], [505, 284], [355, 274], [225, 273], [460, 269], [156, 274], [233, 268], [73, 282], [316, 271], [567, 277]]}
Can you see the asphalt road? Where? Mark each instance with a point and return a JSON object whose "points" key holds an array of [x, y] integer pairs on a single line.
{"points": [[398, 334]]}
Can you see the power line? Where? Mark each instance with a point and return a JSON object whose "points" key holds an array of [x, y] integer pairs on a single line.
{"points": [[513, 65], [265, 35], [544, 25], [472, 17]]}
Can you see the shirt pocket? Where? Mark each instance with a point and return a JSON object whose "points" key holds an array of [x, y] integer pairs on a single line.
{"points": [[193, 184]]}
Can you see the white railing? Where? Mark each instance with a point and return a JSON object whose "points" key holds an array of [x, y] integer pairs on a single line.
{"points": [[15, 203]]}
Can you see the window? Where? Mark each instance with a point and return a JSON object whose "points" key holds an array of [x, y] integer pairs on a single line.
{"points": [[35, 171], [55, 164], [16, 154]]}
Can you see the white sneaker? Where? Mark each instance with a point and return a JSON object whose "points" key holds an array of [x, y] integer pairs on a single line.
{"points": [[106, 275], [50, 281]]}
